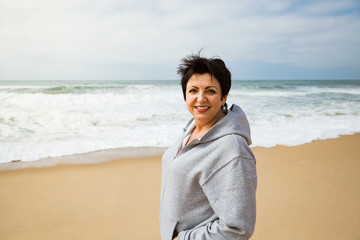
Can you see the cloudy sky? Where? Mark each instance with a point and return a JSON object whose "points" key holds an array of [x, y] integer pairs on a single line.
{"points": [[141, 39]]}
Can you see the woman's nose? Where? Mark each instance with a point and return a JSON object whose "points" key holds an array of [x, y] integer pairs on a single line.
{"points": [[201, 97]]}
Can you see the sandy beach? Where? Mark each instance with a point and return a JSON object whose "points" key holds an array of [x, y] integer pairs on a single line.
{"points": [[304, 192]]}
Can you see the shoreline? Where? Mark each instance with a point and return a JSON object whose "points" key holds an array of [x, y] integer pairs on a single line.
{"points": [[304, 192], [106, 155], [94, 157]]}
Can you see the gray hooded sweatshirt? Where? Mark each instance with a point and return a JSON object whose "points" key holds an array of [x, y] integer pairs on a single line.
{"points": [[208, 187]]}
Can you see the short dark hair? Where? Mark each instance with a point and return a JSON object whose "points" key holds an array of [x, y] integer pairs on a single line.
{"points": [[214, 66]]}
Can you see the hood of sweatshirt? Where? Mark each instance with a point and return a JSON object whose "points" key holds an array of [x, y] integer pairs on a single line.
{"points": [[235, 122]]}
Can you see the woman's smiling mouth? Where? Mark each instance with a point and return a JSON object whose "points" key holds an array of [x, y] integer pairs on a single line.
{"points": [[202, 108]]}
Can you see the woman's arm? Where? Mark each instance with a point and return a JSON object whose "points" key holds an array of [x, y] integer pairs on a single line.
{"points": [[231, 193]]}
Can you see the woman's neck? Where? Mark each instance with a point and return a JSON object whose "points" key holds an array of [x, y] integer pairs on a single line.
{"points": [[201, 129]]}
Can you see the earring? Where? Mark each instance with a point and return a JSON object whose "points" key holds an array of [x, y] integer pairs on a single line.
{"points": [[224, 108]]}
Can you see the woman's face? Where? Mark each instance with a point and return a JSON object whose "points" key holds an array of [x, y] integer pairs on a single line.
{"points": [[203, 99]]}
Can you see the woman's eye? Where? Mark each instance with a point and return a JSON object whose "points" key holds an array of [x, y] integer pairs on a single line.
{"points": [[212, 91], [192, 90]]}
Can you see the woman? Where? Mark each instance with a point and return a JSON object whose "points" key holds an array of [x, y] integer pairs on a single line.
{"points": [[208, 175]]}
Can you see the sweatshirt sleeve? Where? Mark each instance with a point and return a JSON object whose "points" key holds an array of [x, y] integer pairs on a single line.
{"points": [[231, 193]]}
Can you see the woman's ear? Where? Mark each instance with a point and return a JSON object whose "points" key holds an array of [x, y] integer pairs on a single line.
{"points": [[223, 99]]}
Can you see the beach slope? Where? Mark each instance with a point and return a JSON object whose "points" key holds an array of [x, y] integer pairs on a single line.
{"points": [[304, 192]]}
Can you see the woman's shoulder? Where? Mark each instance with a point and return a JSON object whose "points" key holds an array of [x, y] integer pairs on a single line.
{"points": [[235, 144], [223, 150], [227, 150]]}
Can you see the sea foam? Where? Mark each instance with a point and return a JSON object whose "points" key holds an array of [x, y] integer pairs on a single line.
{"points": [[40, 119]]}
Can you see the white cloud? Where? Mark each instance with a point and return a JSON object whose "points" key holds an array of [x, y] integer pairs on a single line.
{"points": [[43, 38]]}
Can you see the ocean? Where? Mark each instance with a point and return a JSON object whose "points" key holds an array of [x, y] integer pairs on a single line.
{"points": [[40, 119]]}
